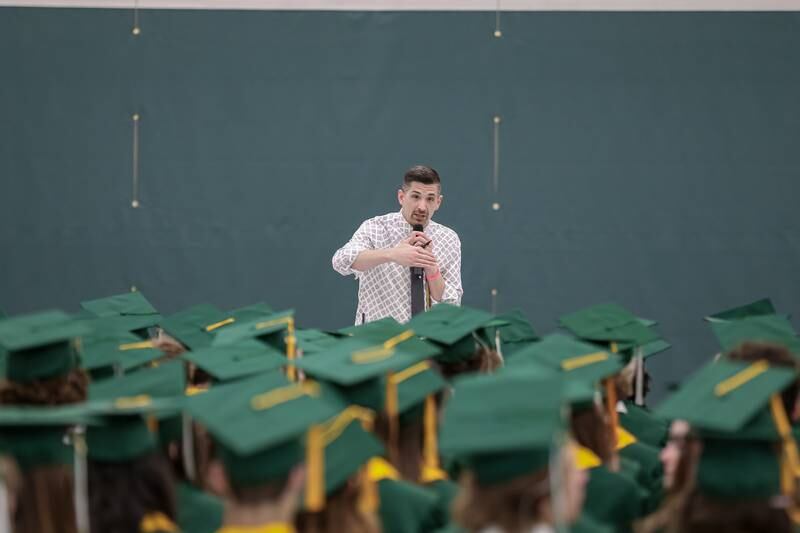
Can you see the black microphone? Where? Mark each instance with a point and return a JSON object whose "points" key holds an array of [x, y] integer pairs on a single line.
{"points": [[417, 271], [417, 285]]}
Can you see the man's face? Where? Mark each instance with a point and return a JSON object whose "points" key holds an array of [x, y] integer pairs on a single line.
{"points": [[419, 202]]}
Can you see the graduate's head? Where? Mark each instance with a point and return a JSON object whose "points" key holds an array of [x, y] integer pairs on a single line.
{"points": [[421, 194]]}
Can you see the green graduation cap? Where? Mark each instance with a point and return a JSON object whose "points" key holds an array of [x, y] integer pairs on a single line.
{"points": [[348, 446], [197, 326], [737, 410], [139, 312], [516, 334], [393, 376], [111, 352], [725, 395], [764, 328], [757, 308], [612, 324], [125, 404], [40, 345], [579, 360], [314, 341], [458, 329], [271, 329], [510, 436], [259, 424], [237, 360], [37, 436]]}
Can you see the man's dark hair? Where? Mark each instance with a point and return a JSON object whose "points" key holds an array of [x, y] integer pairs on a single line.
{"points": [[421, 174]]}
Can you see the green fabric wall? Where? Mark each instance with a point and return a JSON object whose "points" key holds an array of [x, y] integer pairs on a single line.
{"points": [[650, 159]]}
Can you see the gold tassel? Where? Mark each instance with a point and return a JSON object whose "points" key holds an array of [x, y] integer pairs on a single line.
{"points": [[430, 451], [368, 497], [391, 407], [291, 349], [315, 470], [790, 463]]}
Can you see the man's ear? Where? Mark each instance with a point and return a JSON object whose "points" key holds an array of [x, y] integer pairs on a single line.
{"points": [[439, 201], [401, 195]]}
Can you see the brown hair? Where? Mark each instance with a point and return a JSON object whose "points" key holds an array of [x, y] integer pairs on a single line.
{"points": [[484, 361], [511, 506], [701, 514], [121, 494], [775, 355], [341, 513], [45, 503], [409, 445], [421, 174], [683, 482], [592, 430], [70, 388]]}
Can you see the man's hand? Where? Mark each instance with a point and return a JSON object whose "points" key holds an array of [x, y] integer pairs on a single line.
{"points": [[417, 238], [408, 255]]}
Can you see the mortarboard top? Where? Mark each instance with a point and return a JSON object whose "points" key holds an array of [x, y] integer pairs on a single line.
{"points": [[508, 437], [196, 326], [757, 308], [40, 345], [579, 360], [139, 312], [458, 329], [765, 328], [124, 404], [237, 360], [725, 395]]}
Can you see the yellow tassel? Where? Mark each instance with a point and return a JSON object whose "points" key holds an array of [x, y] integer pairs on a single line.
{"points": [[614, 347], [391, 407], [368, 497], [291, 349], [430, 450], [315, 470], [143, 345], [583, 360], [790, 463], [217, 325], [611, 407], [740, 378], [270, 399]]}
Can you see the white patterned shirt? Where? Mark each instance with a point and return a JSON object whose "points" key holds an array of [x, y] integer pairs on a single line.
{"points": [[385, 290]]}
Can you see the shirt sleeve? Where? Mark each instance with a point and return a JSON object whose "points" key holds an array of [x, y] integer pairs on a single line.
{"points": [[450, 267], [345, 256]]}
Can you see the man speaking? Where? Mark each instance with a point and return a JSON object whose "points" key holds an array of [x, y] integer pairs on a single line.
{"points": [[404, 262]]}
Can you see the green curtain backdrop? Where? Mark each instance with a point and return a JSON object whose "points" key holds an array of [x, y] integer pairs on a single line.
{"points": [[646, 158]]}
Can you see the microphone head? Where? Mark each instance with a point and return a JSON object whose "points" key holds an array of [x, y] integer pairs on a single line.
{"points": [[418, 227]]}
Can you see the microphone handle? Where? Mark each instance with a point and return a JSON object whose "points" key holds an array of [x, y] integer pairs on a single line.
{"points": [[417, 271]]}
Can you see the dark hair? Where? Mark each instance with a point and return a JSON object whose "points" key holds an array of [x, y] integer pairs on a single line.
{"points": [[421, 174], [775, 355], [70, 388], [591, 430], [702, 513], [121, 494], [512, 506], [484, 361], [45, 503], [341, 513]]}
